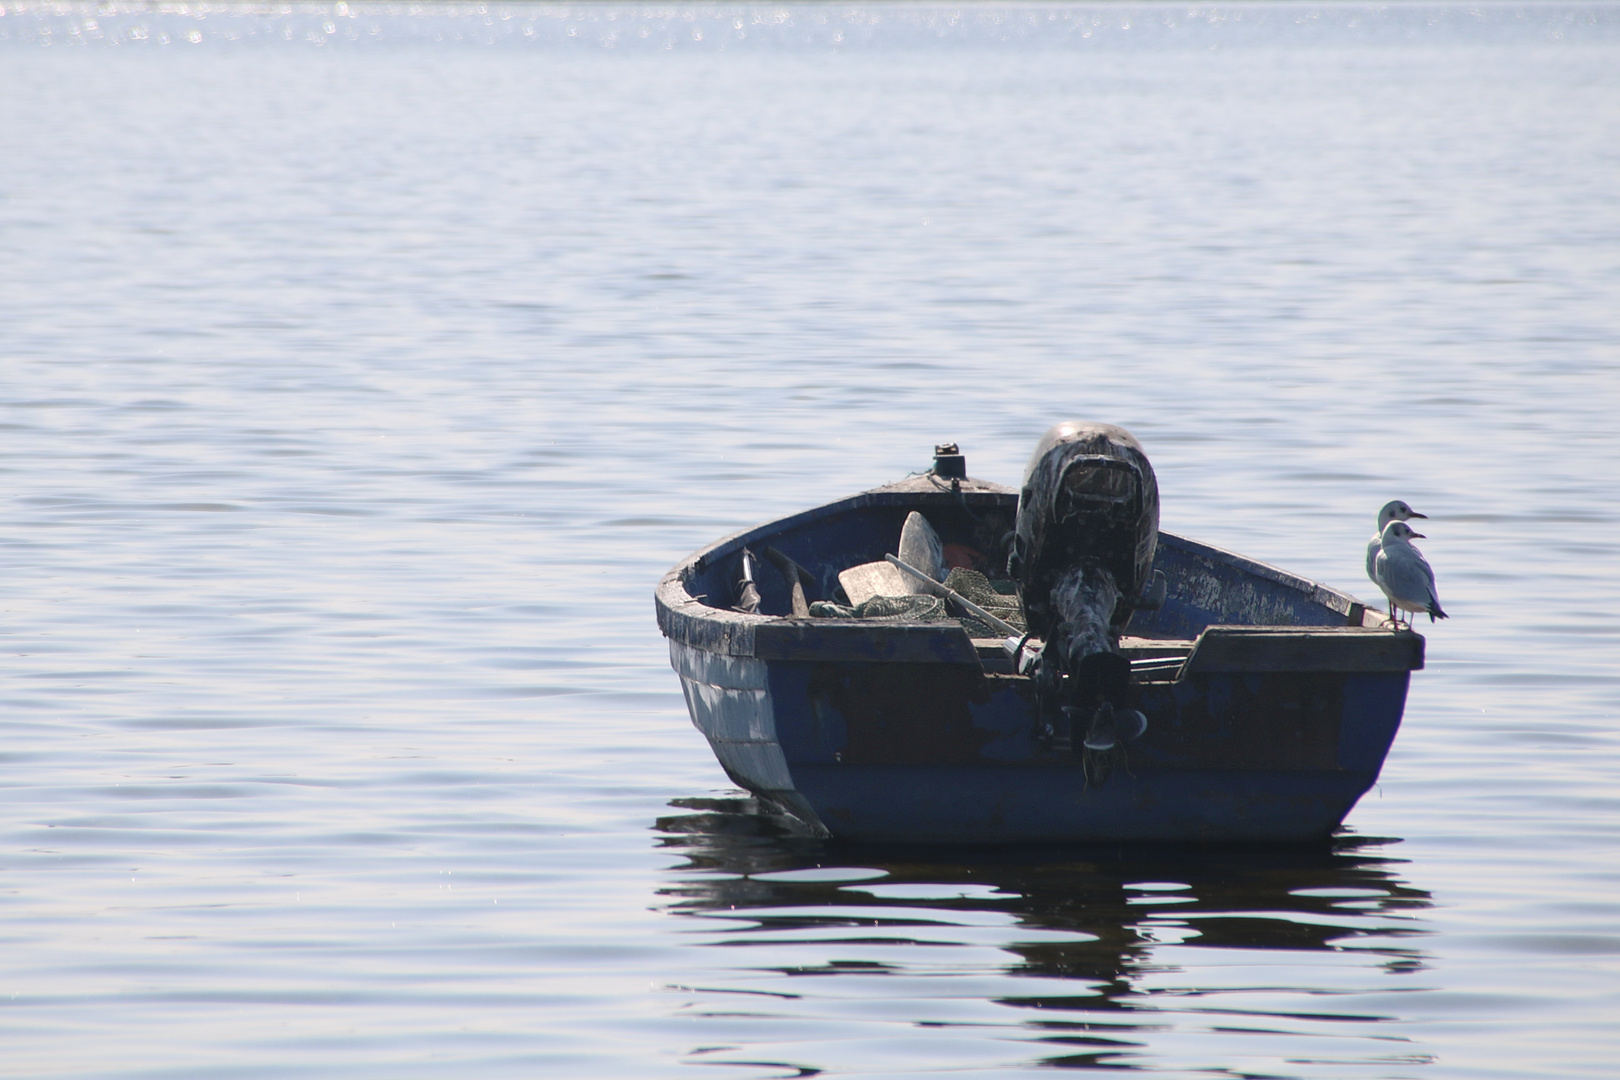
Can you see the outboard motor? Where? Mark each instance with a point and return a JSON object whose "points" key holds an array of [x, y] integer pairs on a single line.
{"points": [[1088, 526]]}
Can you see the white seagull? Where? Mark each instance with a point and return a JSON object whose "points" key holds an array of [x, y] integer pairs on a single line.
{"points": [[1404, 574], [1394, 510]]}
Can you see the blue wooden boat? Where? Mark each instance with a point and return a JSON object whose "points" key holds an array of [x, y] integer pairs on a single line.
{"points": [[1271, 700]]}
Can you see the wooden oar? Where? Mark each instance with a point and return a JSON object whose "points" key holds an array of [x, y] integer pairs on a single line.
{"points": [[938, 589]]}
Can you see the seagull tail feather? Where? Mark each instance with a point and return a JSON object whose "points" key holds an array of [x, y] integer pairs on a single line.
{"points": [[1436, 613]]}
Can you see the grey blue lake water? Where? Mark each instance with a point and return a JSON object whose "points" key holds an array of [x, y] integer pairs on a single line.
{"points": [[363, 367]]}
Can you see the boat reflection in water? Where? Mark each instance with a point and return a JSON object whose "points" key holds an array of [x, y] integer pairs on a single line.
{"points": [[1286, 961]]}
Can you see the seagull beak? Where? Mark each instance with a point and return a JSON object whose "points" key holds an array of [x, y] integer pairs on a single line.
{"points": [[1419, 536], [1425, 517]]}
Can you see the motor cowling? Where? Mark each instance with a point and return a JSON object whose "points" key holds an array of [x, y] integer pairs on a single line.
{"points": [[1082, 553], [1089, 495]]}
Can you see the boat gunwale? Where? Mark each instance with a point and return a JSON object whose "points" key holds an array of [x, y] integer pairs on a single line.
{"points": [[688, 619]]}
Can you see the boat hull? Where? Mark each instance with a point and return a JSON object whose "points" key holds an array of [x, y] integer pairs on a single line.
{"points": [[959, 804], [924, 752]]}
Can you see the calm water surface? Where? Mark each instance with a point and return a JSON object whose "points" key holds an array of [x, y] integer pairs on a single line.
{"points": [[362, 367]]}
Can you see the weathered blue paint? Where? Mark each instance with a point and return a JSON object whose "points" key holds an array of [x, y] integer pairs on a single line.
{"points": [[1271, 700], [961, 804]]}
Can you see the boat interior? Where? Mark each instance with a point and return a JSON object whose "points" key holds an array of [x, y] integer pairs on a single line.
{"points": [[1205, 586]]}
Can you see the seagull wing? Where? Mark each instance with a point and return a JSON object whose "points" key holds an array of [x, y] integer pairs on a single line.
{"points": [[1404, 574]]}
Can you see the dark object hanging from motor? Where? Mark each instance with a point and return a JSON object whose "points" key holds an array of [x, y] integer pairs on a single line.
{"points": [[1087, 530]]}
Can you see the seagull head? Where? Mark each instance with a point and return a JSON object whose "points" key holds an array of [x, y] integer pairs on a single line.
{"points": [[1397, 510], [1401, 532]]}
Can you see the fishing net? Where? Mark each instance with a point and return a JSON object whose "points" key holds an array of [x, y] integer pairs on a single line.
{"points": [[915, 608], [989, 595], [922, 608]]}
